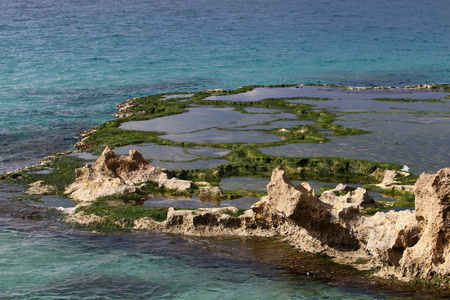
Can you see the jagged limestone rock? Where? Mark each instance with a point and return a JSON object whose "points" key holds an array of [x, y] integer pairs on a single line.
{"points": [[431, 255], [407, 244], [113, 174], [176, 184], [390, 181], [349, 204]]}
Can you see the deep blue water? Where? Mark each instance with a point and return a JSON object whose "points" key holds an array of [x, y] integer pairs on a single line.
{"points": [[65, 63]]}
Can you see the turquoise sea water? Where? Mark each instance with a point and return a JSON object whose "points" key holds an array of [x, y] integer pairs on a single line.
{"points": [[41, 258], [64, 64]]}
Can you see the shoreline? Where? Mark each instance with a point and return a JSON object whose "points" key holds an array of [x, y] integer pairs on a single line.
{"points": [[128, 106]]}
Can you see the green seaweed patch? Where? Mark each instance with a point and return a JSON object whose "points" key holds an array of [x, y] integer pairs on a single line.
{"points": [[63, 173], [116, 217], [434, 282], [32, 198], [408, 99], [409, 179], [404, 199], [247, 161], [444, 86], [115, 137], [108, 134]]}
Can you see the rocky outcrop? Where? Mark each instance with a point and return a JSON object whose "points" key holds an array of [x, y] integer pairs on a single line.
{"points": [[431, 255], [124, 107], [387, 235], [346, 201], [175, 184], [407, 244], [113, 174], [40, 188], [210, 194], [390, 181]]}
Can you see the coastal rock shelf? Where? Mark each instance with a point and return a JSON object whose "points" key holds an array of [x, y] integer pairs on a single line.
{"points": [[407, 244], [197, 164]]}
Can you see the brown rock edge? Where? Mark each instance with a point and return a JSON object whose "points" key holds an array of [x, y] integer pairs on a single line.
{"points": [[403, 244]]}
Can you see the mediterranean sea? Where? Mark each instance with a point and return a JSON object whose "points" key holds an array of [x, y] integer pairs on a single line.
{"points": [[65, 64]]}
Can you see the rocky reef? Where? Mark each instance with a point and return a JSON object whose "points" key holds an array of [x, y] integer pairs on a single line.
{"points": [[112, 174], [405, 244]]}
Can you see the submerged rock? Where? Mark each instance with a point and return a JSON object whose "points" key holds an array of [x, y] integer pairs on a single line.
{"points": [[113, 174]]}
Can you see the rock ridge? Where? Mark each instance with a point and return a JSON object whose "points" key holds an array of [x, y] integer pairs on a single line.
{"points": [[113, 174], [407, 244]]}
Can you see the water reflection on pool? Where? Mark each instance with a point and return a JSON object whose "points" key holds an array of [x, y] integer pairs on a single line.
{"points": [[201, 118], [331, 93]]}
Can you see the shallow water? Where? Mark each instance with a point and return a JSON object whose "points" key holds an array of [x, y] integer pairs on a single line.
{"points": [[42, 258], [422, 143], [66, 63], [196, 202], [202, 118], [142, 266], [222, 136], [330, 93]]}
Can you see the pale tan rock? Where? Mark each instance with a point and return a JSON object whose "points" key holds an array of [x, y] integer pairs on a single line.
{"points": [[40, 188], [387, 235], [207, 193], [291, 200], [407, 244], [206, 222], [390, 181], [113, 174], [83, 219], [299, 205], [431, 255], [176, 184], [348, 205]]}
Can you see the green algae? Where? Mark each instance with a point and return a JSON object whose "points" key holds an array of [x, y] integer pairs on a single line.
{"points": [[151, 107], [408, 99], [32, 198], [243, 160], [62, 172], [404, 199], [123, 216]]}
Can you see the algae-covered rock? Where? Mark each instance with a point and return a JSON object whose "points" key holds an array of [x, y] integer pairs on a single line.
{"points": [[40, 188], [208, 193]]}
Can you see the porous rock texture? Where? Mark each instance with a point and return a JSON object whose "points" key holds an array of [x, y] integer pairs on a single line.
{"points": [[113, 174], [406, 244], [431, 255]]}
